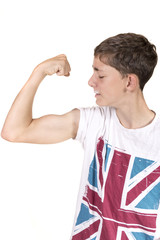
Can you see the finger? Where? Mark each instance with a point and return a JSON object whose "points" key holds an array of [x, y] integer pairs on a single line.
{"points": [[59, 73], [67, 75]]}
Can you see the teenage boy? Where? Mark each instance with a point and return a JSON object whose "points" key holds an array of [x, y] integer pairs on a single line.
{"points": [[120, 187]]}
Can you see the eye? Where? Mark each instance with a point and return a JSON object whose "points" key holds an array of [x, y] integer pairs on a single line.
{"points": [[101, 77]]}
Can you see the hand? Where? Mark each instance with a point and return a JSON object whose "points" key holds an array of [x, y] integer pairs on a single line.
{"points": [[58, 65]]}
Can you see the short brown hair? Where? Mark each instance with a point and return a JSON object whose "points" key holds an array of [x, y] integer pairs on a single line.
{"points": [[129, 53]]}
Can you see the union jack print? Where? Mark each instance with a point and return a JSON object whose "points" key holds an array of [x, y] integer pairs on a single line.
{"points": [[121, 199]]}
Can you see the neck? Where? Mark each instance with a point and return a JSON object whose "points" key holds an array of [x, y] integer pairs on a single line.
{"points": [[135, 113]]}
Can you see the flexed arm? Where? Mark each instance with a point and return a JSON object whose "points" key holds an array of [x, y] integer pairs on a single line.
{"points": [[19, 125]]}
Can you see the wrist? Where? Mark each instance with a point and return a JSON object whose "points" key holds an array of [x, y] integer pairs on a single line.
{"points": [[37, 76], [39, 70]]}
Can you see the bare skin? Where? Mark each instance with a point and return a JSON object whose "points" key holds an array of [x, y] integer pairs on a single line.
{"points": [[21, 127], [110, 88], [123, 94]]}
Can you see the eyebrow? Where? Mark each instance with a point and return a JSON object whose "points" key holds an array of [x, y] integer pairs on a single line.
{"points": [[96, 69]]}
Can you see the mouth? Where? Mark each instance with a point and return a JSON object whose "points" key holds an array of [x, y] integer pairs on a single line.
{"points": [[96, 93]]}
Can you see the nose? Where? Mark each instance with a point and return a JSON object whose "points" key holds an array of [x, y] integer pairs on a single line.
{"points": [[92, 81]]}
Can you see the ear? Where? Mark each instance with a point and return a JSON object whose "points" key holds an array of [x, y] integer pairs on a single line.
{"points": [[132, 82]]}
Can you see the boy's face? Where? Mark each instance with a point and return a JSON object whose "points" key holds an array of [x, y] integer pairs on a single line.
{"points": [[108, 84]]}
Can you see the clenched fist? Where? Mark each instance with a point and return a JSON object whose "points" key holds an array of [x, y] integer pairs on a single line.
{"points": [[58, 65]]}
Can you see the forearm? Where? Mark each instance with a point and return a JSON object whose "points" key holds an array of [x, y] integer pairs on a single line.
{"points": [[20, 114]]}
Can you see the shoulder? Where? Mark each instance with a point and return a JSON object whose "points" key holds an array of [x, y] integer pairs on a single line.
{"points": [[95, 111], [94, 116]]}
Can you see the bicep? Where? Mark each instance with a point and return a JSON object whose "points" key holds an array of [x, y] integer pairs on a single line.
{"points": [[52, 128]]}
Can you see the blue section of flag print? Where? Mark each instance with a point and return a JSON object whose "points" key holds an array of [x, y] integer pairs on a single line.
{"points": [[84, 214], [151, 200], [108, 149], [142, 236], [139, 165], [92, 177]]}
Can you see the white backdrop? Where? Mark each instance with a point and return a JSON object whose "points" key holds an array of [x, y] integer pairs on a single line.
{"points": [[39, 183]]}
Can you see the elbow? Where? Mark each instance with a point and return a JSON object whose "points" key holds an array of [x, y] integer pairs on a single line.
{"points": [[8, 136]]}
